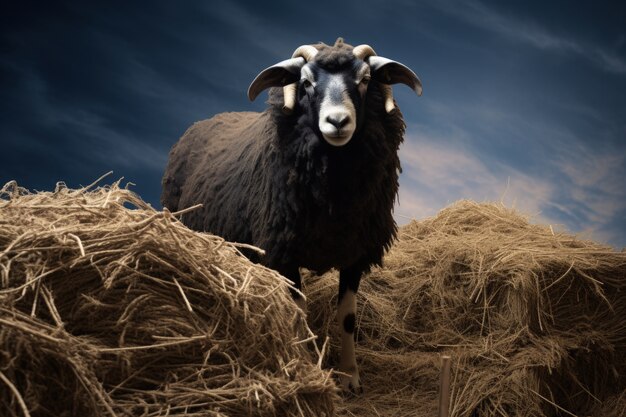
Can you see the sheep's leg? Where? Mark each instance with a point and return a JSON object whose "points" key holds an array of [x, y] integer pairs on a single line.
{"points": [[346, 316]]}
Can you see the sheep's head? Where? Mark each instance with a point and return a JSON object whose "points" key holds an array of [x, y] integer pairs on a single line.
{"points": [[332, 83]]}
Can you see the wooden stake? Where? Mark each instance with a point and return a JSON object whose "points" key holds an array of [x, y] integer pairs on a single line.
{"points": [[444, 387]]}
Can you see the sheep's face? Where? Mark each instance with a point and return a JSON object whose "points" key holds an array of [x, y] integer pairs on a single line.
{"points": [[335, 98], [331, 83]]}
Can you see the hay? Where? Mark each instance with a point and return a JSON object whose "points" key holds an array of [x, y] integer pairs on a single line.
{"points": [[108, 307], [534, 321], [614, 406]]}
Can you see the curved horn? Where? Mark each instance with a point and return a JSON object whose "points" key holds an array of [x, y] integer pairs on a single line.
{"points": [[289, 95], [307, 52], [364, 52], [283, 73], [388, 98], [387, 71]]}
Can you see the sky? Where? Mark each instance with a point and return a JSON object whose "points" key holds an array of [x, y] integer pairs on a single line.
{"points": [[524, 102]]}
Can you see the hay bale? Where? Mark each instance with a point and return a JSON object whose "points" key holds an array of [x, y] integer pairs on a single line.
{"points": [[533, 320], [614, 406], [108, 307]]}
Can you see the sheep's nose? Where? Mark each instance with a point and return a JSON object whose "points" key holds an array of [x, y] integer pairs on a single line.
{"points": [[338, 120]]}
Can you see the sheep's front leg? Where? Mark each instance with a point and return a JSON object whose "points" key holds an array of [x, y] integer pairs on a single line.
{"points": [[346, 317]]}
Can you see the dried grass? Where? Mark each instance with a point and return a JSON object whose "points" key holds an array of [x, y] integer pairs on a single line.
{"points": [[111, 308], [535, 321]]}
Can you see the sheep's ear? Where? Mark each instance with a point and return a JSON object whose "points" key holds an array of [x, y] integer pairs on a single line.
{"points": [[279, 75], [386, 71]]}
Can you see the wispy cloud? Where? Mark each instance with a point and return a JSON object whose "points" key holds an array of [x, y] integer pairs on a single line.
{"points": [[594, 184], [273, 40], [74, 135], [103, 143], [438, 172], [580, 189], [525, 31]]}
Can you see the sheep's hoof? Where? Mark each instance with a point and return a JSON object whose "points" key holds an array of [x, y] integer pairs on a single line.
{"points": [[351, 383]]}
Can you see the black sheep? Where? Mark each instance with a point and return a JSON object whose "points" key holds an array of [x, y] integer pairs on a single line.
{"points": [[312, 180]]}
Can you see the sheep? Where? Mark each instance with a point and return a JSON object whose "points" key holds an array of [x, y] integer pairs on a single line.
{"points": [[312, 180]]}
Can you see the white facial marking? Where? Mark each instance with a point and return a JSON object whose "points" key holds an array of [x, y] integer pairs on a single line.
{"points": [[337, 118]]}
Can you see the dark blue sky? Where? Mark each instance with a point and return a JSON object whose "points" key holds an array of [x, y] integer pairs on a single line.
{"points": [[524, 102]]}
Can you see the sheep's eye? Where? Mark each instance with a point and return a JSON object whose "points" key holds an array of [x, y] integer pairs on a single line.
{"points": [[306, 83], [365, 80]]}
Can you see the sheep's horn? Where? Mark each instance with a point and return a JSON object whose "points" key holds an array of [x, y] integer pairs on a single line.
{"points": [[307, 52], [364, 52], [388, 97], [388, 71], [283, 73], [289, 94]]}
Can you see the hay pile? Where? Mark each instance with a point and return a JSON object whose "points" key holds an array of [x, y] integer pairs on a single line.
{"points": [[535, 322], [110, 308]]}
